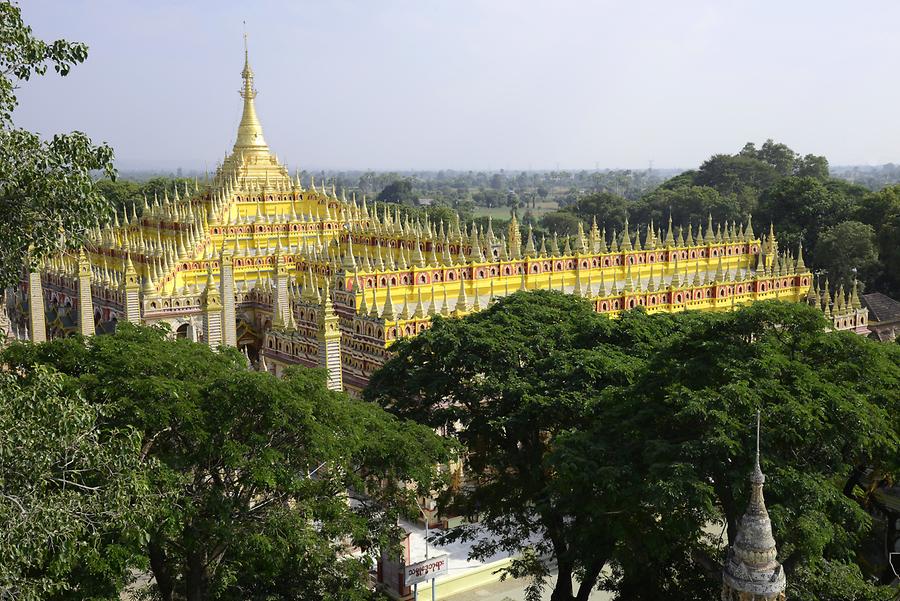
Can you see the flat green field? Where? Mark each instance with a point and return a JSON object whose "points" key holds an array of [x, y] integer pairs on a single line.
{"points": [[503, 212]]}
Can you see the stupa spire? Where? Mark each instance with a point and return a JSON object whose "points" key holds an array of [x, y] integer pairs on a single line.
{"points": [[250, 134], [751, 570]]}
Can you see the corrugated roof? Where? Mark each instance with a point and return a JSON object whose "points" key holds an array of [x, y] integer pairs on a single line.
{"points": [[881, 307]]}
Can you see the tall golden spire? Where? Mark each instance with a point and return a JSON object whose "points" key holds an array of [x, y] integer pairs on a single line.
{"points": [[250, 134]]}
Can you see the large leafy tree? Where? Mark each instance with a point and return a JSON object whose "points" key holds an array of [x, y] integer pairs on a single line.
{"points": [[398, 191], [881, 210], [831, 405], [617, 443], [802, 207], [846, 251], [72, 492], [812, 165], [729, 174], [47, 194], [506, 382], [607, 208], [261, 479], [564, 223], [693, 204]]}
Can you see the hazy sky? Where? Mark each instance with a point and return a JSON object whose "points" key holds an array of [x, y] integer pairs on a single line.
{"points": [[469, 84]]}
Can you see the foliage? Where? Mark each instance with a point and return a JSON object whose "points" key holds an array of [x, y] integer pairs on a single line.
{"points": [[649, 419], [489, 198], [608, 209], [694, 204], [836, 580], [127, 196], [846, 251], [802, 208], [72, 492], [477, 378], [729, 174], [562, 222], [255, 470], [399, 191], [47, 196], [831, 400], [881, 210], [812, 165]]}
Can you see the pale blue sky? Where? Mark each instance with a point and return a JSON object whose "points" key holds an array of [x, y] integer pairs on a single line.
{"points": [[468, 84]]}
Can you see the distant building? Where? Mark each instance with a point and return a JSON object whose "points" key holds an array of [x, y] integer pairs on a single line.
{"points": [[884, 316], [302, 276]]}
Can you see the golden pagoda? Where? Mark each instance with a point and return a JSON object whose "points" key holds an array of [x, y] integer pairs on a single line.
{"points": [[302, 276]]}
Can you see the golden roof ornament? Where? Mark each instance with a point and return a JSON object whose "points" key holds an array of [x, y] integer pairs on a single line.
{"points": [[250, 134]]}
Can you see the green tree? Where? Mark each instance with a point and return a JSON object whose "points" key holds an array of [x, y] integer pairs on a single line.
{"points": [[563, 223], [48, 198], [73, 493], [779, 156], [692, 410], [881, 210], [802, 207], [123, 195], [811, 166], [692, 204], [489, 198], [255, 471], [399, 191], [438, 213], [681, 180], [846, 251], [730, 174], [615, 443], [505, 382], [158, 186], [513, 201], [607, 208]]}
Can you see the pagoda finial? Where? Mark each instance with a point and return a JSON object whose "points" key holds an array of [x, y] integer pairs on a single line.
{"points": [[757, 471], [246, 52], [250, 135]]}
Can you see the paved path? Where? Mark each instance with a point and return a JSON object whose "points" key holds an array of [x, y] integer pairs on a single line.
{"points": [[511, 590]]}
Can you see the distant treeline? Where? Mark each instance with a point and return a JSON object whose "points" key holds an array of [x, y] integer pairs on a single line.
{"points": [[873, 178], [846, 230]]}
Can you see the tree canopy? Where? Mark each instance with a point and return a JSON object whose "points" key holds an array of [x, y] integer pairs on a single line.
{"points": [[262, 485], [848, 250], [399, 191], [775, 185], [72, 492], [48, 198], [617, 443]]}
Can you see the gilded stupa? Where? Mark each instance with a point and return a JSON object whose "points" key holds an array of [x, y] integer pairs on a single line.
{"points": [[296, 275]]}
